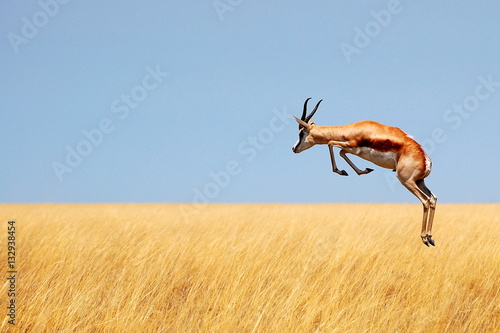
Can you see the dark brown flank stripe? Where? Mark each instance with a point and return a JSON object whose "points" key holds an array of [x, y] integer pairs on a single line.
{"points": [[380, 144]]}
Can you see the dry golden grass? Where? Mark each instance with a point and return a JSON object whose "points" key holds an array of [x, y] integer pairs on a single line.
{"points": [[254, 268]]}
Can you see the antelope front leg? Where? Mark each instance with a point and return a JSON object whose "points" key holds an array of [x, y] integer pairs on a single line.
{"points": [[359, 172], [334, 165]]}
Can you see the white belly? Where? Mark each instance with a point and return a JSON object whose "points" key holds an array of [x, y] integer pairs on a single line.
{"points": [[382, 159]]}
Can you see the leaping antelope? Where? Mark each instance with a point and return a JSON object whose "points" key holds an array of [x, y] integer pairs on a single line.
{"points": [[386, 146]]}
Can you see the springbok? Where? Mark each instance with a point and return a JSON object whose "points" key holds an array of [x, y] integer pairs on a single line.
{"points": [[386, 146]]}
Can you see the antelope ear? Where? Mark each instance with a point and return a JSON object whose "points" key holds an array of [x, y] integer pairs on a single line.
{"points": [[302, 123]]}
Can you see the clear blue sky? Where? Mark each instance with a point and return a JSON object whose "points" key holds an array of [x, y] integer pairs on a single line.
{"points": [[175, 101]]}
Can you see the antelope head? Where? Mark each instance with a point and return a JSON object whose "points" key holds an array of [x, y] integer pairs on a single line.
{"points": [[305, 124]]}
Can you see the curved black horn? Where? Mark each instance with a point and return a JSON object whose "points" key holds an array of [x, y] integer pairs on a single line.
{"points": [[305, 109], [313, 112]]}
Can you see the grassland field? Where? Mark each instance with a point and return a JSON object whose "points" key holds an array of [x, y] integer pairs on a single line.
{"points": [[252, 268]]}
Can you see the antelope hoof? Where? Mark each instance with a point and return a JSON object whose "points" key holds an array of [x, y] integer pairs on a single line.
{"points": [[343, 173], [368, 170], [431, 241]]}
